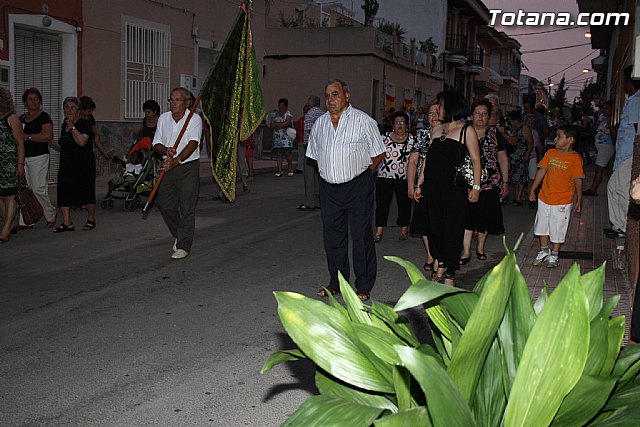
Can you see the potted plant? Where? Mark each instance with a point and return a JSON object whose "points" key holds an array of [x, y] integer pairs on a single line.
{"points": [[498, 359]]}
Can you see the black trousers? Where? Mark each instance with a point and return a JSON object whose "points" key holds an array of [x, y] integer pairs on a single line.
{"points": [[345, 207], [385, 189]]}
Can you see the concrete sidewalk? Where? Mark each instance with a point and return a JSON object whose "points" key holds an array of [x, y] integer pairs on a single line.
{"points": [[584, 237]]}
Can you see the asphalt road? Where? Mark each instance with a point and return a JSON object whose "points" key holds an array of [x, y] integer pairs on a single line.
{"points": [[102, 328]]}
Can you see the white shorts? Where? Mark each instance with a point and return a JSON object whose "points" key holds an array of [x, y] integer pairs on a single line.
{"points": [[605, 153], [533, 168], [552, 221]]}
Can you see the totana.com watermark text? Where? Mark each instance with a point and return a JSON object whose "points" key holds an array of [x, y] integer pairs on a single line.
{"points": [[520, 17]]}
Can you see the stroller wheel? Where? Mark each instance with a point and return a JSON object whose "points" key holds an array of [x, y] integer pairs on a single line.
{"points": [[106, 204]]}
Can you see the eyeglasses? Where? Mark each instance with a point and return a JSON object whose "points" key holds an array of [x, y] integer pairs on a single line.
{"points": [[175, 100], [400, 122], [481, 114]]}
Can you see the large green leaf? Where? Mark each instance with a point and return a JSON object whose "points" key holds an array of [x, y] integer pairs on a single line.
{"points": [[490, 397], [627, 417], [392, 321], [379, 342], [280, 357], [460, 306], [628, 358], [598, 344], [519, 318], [444, 403], [329, 386], [414, 273], [443, 345], [402, 383], [424, 291], [629, 395], [355, 307], [593, 284], [554, 357], [325, 411], [470, 353], [411, 417], [326, 336], [584, 401], [616, 335]]}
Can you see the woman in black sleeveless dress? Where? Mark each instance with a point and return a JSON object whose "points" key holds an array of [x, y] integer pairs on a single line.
{"points": [[445, 200]]}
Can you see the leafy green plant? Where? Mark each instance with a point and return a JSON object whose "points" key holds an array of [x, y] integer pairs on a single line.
{"points": [[499, 359], [428, 46]]}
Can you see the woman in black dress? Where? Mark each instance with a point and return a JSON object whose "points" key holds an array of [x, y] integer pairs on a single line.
{"points": [[77, 172], [445, 200]]}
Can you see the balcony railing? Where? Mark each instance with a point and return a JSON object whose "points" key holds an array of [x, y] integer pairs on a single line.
{"points": [[476, 56], [456, 44]]}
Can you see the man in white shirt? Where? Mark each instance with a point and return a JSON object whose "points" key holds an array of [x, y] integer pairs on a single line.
{"points": [[178, 191], [348, 147]]}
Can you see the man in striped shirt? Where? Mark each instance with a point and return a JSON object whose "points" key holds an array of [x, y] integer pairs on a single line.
{"points": [[348, 147]]}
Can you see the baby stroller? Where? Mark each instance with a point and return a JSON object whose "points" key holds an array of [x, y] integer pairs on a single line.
{"points": [[144, 182]]}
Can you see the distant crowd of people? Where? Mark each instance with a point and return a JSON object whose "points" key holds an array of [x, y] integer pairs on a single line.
{"points": [[451, 168]]}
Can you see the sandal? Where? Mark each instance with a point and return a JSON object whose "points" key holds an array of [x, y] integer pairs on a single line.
{"points": [[403, 236], [4, 240], [516, 203], [363, 295], [428, 266], [64, 227], [89, 225], [451, 278], [377, 238], [329, 290], [465, 260], [303, 207], [52, 223], [481, 256]]}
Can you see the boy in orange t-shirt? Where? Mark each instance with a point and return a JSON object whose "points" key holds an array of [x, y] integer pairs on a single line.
{"points": [[560, 172]]}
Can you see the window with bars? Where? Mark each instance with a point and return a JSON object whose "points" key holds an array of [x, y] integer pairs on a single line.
{"points": [[147, 59]]}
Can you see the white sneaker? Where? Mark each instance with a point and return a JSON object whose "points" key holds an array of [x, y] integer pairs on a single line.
{"points": [[543, 254], [179, 254], [175, 245], [552, 261]]}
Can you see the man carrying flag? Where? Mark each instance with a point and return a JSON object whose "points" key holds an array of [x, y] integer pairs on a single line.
{"points": [[178, 191]]}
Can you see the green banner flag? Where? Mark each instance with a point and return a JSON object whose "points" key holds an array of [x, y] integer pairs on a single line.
{"points": [[232, 102]]}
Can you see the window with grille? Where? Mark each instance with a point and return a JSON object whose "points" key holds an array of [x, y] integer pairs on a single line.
{"points": [[147, 58]]}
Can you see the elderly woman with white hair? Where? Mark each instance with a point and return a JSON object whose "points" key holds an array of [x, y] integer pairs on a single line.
{"points": [[77, 172]]}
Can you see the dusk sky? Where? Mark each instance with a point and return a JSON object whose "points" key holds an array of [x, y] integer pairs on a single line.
{"points": [[546, 65]]}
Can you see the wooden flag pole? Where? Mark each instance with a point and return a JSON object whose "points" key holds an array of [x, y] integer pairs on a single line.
{"points": [[175, 147]]}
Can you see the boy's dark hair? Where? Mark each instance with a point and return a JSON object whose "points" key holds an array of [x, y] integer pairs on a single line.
{"points": [[571, 131], [151, 104], [284, 101], [138, 154]]}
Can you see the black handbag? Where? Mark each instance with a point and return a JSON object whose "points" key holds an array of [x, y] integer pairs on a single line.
{"points": [[464, 168]]}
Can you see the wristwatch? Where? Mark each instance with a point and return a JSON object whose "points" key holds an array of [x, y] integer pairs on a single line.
{"points": [[475, 187]]}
